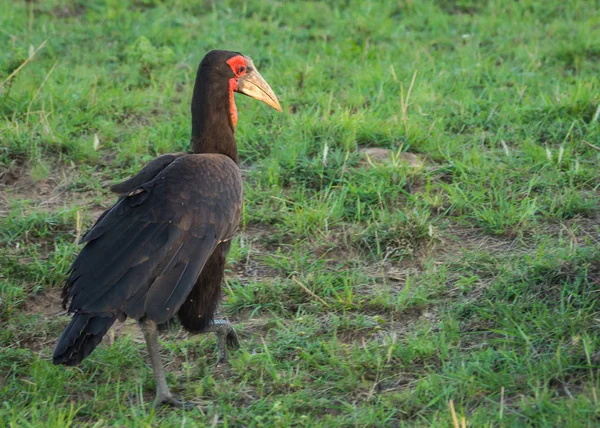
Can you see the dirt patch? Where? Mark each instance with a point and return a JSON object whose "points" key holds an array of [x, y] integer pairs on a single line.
{"points": [[470, 238], [410, 318], [396, 272], [251, 268], [11, 174], [579, 229], [19, 185], [400, 327], [50, 194], [74, 10], [122, 329], [465, 7], [38, 317], [376, 155], [47, 303], [252, 326]]}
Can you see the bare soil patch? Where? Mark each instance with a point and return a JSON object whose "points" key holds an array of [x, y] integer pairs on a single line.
{"points": [[74, 10], [18, 184], [49, 194], [375, 155], [252, 268], [48, 304]]}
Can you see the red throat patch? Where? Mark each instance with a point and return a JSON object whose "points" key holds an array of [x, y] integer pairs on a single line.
{"points": [[239, 67], [233, 84]]}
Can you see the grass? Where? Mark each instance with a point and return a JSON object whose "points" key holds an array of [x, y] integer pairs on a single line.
{"points": [[366, 293]]}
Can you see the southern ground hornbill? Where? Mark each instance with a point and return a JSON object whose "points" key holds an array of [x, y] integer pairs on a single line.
{"points": [[160, 250]]}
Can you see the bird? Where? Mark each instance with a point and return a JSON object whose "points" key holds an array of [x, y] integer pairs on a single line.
{"points": [[160, 250]]}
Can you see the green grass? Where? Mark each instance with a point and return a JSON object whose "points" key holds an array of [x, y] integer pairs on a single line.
{"points": [[473, 278]]}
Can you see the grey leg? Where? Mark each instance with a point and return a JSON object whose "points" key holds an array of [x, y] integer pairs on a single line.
{"points": [[226, 337], [163, 394]]}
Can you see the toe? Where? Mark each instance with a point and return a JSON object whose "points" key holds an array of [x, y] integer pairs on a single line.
{"points": [[232, 340], [173, 402], [223, 361]]}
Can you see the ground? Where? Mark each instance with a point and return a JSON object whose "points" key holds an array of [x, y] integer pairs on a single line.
{"points": [[420, 244]]}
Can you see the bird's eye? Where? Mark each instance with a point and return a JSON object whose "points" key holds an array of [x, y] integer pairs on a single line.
{"points": [[242, 69]]}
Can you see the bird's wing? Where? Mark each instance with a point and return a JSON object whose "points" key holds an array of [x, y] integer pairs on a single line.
{"points": [[146, 174], [143, 256]]}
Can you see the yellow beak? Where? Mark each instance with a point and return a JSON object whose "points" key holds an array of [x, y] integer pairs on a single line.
{"points": [[253, 85]]}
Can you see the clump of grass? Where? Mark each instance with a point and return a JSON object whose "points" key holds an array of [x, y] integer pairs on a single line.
{"points": [[570, 203], [556, 277], [396, 235], [30, 225], [147, 56]]}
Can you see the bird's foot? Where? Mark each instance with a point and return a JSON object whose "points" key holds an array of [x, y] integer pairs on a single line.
{"points": [[232, 339], [226, 338], [167, 400]]}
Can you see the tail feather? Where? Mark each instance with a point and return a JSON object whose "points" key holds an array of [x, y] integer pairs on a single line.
{"points": [[80, 338]]}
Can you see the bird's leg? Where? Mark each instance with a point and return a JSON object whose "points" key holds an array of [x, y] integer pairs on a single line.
{"points": [[163, 394], [226, 337]]}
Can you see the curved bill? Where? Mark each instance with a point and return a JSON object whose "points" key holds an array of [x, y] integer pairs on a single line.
{"points": [[253, 85]]}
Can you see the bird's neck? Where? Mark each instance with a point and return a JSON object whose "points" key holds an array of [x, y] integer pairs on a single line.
{"points": [[213, 128]]}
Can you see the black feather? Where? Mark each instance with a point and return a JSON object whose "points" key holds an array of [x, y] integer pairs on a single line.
{"points": [[170, 289], [82, 335], [199, 308]]}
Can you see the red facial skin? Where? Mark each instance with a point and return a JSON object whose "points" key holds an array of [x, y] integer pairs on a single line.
{"points": [[239, 66]]}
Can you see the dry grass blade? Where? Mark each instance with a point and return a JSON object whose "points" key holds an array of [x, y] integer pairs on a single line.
{"points": [[305, 288], [78, 226], [37, 93], [453, 413], [591, 145], [596, 114], [11, 75], [501, 402], [405, 101]]}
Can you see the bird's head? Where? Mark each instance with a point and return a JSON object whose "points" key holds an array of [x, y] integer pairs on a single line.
{"points": [[242, 77]]}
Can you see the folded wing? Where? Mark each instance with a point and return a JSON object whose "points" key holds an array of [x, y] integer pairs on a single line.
{"points": [[143, 256]]}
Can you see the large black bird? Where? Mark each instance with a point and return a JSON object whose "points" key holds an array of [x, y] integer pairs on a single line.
{"points": [[160, 250]]}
